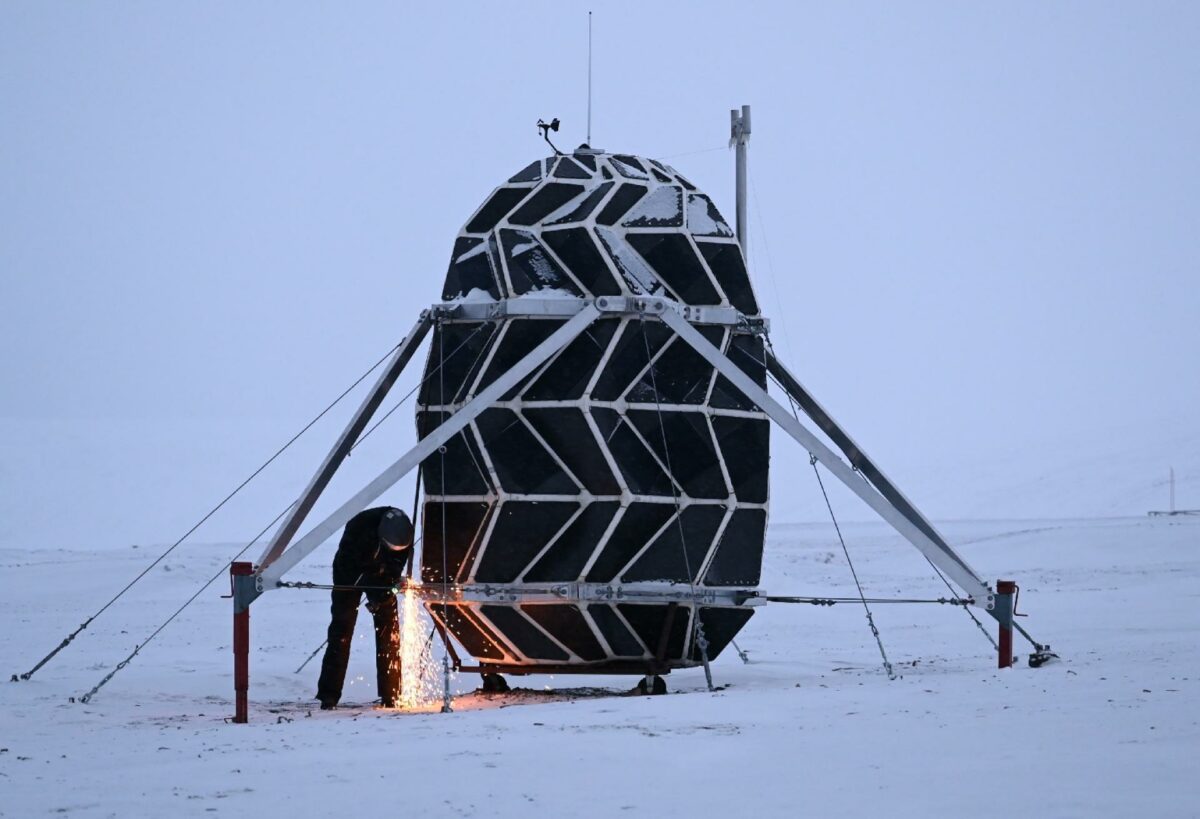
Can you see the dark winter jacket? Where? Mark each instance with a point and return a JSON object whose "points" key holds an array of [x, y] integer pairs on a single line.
{"points": [[362, 554]]}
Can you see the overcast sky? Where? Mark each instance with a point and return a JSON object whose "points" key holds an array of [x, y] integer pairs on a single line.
{"points": [[975, 227]]}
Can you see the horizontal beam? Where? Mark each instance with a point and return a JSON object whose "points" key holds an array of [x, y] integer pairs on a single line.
{"points": [[530, 306], [572, 592]]}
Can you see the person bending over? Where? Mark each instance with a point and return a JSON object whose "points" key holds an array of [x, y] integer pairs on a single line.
{"points": [[373, 552]]}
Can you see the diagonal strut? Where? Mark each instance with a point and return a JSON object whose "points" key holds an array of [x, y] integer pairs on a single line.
{"points": [[938, 551]]}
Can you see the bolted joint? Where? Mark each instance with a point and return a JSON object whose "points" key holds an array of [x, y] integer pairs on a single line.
{"points": [[1002, 608], [1003, 611], [245, 585]]}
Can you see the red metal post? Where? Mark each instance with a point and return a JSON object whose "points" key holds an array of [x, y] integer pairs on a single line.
{"points": [[1005, 590], [241, 646]]}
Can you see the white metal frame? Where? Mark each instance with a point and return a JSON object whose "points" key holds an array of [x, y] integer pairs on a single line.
{"points": [[882, 496]]}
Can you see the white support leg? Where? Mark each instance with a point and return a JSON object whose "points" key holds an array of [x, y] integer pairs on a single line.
{"points": [[942, 556], [395, 366], [271, 573]]}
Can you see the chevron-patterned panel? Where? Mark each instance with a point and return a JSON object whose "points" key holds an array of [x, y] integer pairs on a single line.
{"points": [[625, 458]]}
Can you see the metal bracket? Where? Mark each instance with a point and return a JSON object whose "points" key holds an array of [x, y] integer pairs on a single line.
{"points": [[580, 592], [529, 306], [245, 588]]}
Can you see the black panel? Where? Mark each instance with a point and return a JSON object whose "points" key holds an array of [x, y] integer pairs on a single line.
{"points": [[727, 265], [579, 253], [463, 522], [478, 641], [495, 208], [647, 622], [630, 357], [662, 208], [569, 169], [704, 219], [569, 436], [633, 268], [568, 374], [523, 634], [681, 180], [614, 631], [568, 627], [738, 561], [629, 166], [637, 525], [460, 351], [680, 374], [465, 473], [642, 474], [689, 452], [564, 561], [746, 352], [664, 559], [549, 198], [529, 266], [676, 263], [519, 339], [626, 197], [720, 626], [522, 529], [586, 205], [471, 268], [522, 464], [745, 444], [525, 447], [531, 173]]}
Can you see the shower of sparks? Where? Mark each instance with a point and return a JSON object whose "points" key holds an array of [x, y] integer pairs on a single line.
{"points": [[421, 684]]}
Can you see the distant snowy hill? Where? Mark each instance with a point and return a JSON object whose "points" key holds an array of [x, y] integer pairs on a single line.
{"points": [[1089, 473]]}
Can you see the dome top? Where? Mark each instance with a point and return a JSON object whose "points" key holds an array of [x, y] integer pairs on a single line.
{"points": [[599, 224]]}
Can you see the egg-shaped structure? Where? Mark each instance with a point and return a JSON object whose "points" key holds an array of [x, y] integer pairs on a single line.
{"points": [[620, 490]]}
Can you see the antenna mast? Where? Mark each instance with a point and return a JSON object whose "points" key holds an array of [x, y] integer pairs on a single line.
{"points": [[589, 113], [739, 135]]}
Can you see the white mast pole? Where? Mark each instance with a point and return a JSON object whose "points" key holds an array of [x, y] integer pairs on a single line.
{"points": [[589, 113], [739, 135]]}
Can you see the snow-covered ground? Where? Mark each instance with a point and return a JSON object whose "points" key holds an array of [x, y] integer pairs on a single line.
{"points": [[811, 727]]}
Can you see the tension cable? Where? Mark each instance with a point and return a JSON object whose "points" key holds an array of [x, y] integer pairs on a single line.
{"points": [[932, 565], [697, 626], [967, 609], [67, 640], [220, 573], [812, 459], [446, 706], [833, 601], [257, 537]]}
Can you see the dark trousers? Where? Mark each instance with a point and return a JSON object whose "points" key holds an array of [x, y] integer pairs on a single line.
{"points": [[343, 615]]}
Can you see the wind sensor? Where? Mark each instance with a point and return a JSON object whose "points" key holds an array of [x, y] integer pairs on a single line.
{"points": [[546, 128]]}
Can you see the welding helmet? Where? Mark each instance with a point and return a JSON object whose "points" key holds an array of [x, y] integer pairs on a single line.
{"points": [[395, 530]]}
